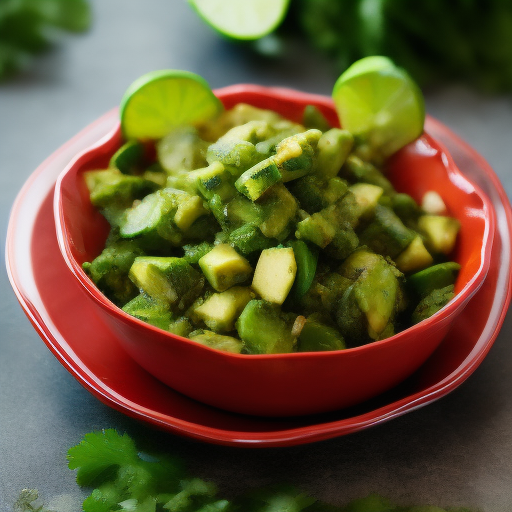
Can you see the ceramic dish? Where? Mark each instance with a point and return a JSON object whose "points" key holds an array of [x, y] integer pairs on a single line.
{"points": [[94, 357], [297, 383]]}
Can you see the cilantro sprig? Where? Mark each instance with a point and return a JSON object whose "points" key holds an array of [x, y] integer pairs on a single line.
{"points": [[127, 480]]}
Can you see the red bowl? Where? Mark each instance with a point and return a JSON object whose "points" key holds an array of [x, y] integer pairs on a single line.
{"points": [[284, 384]]}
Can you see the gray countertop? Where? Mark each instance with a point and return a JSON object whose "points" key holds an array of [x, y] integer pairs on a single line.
{"points": [[454, 452]]}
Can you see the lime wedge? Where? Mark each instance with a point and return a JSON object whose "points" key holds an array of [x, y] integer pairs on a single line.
{"points": [[380, 103], [159, 101], [242, 19]]}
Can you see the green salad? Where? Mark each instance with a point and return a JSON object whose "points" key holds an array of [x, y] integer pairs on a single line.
{"points": [[254, 234]]}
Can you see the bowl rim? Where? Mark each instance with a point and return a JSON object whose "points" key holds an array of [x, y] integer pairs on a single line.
{"points": [[324, 102]]}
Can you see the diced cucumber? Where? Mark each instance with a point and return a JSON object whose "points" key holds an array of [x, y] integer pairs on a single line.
{"points": [[274, 274], [440, 232], [169, 280], [149, 310], [406, 208], [223, 267], [181, 326], [264, 329], [357, 170], [333, 149], [193, 253], [254, 182], [215, 179], [217, 341], [415, 257], [181, 150], [314, 194], [386, 234], [318, 337], [344, 243], [235, 155], [431, 278], [129, 157], [220, 310]]}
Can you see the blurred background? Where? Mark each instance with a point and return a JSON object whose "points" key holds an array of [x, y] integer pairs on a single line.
{"points": [[64, 63]]}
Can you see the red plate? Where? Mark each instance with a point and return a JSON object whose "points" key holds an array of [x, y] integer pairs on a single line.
{"points": [[94, 357]]}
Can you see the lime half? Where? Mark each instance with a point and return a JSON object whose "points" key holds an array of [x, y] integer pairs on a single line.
{"points": [[242, 19], [159, 101], [380, 103]]}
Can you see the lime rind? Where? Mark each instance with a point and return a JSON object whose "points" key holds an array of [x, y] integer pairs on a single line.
{"points": [[242, 19], [380, 103], [159, 101]]}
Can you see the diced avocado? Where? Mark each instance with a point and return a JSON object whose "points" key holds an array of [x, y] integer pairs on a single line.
{"points": [[188, 211], [241, 210], [344, 243], [314, 194], [316, 336], [217, 341], [358, 262], [440, 232], [406, 208], [431, 278], [313, 118], [415, 257], [254, 182], [249, 238], [283, 129], [367, 197], [129, 157], [356, 169], [193, 253], [279, 208], [330, 287], [386, 234], [344, 210], [181, 150], [295, 154], [351, 321], [149, 310], [333, 148], [110, 186], [265, 329], [169, 280], [181, 326], [432, 303], [215, 179], [220, 310], [223, 267], [236, 155], [110, 270], [316, 229], [306, 260], [274, 274], [432, 203]]}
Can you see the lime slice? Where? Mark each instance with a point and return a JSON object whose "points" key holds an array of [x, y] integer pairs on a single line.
{"points": [[242, 19], [380, 103], [159, 101]]}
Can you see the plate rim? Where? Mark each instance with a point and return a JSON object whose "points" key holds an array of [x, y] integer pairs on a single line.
{"points": [[287, 437]]}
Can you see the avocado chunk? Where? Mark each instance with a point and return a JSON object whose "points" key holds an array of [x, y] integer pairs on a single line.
{"points": [[265, 329], [220, 310], [316, 229], [431, 278], [274, 274], [440, 232], [318, 337], [386, 234], [367, 197], [149, 310], [254, 182], [169, 280], [432, 303], [279, 208], [333, 148], [415, 257], [181, 326], [217, 341], [249, 238], [223, 267], [181, 150]]}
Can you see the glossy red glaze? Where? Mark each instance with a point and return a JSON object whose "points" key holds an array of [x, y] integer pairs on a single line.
{"points": [[284, 384], [94, 357]]}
